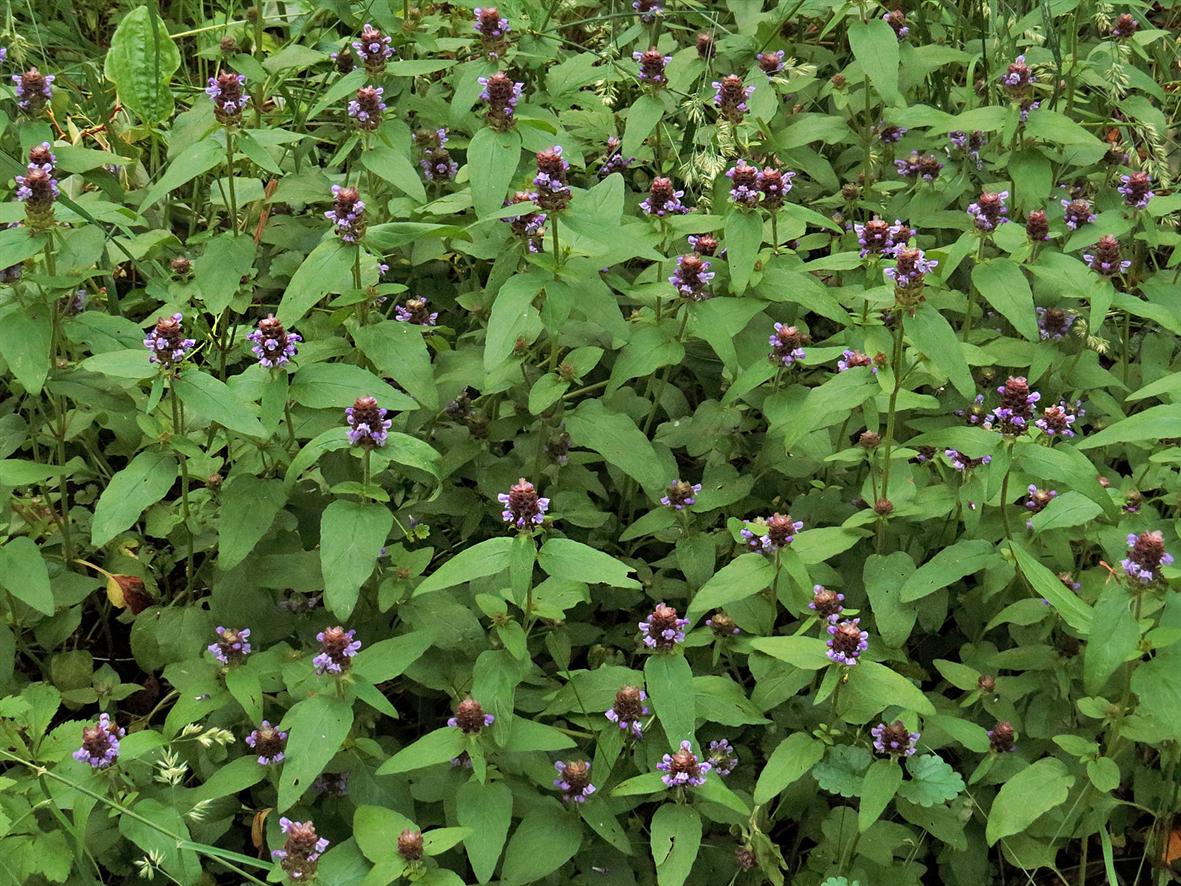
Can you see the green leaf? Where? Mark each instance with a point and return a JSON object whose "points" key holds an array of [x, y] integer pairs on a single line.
{"points": [[398, 351], [19, 243], [24, 575], [1045, 583], [249, 506], [527, 735], [1150, 426], [675, 837], [1104, 773], [572, 560], [189, 164], [1117, 642], [875, 46], [878, 788], [204, 397], [616, 437], [481, 560], [412, 452], [873, 685], [351, 537], [439, 840], [386, 659], [642, 119], [1058, 129], [789, 762], [1067, 509], [639, 785], [932, 781], [25, 335], [394, 166], [737, 580], [802, 652], [512, 314], [128, 363], [542, 843], [338, 385], [433, 748], [316, 727], [219, 270], [1004, 286], [670, 689], [487, 811], [140, 62], [245, 687], [375, 829], [930, 332], [328, 268], [842, 770], [949, 565], [545, 392], [492, 159], [744, 237], [1024, 797], [884, 578], [327, 441], [130, 492]]}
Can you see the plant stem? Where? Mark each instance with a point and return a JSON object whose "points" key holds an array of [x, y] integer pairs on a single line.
{"points": [[230, 179], [888, 443], [177, 431]]}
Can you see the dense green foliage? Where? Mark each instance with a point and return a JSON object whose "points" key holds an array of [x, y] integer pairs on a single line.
{"points": [[630, 443]]}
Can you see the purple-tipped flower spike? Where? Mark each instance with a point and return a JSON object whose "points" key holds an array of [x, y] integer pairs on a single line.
{"points": [[574, 780], [1125, 26], [909, 273], [652, 63], [38, 189], [1106, 259], [337, 647], [229, 98], [166, 343], [470, 717], [1077, 213], [628, 710], [787, 344], [501, 95], [523, 507], [989, 211], [1018, 79], [373, 49], [846, 642], [368, 425], [1146, 556], [962, 463], [744, 181], [924, 167], [664, 629], [268, 742], [490, 24], [722, 625], [781, 530], [1001, 738], [648, 10], [680, 495], [1058, 420], [232, 646], [969, 143], [100, 743], [774, 185], [347, 213], [890, 134], [1014, 414], [614, 160], [730, 98], [896, 19], [894, 739], [416, 311], [273, 344], [852, 359], [663, 199], [367, 107], [528, 226], [332, 784], [722, 757], [302, 850], [553, 189], [770, 63], [435, 160], [33, 90], [703, 244], [1136, 189], [1037, 226], [692, 277], [875, 237], [683, 769], [826, 604], [1054, 323], [1037, 499]]}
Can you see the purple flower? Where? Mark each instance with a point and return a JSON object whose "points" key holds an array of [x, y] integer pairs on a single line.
{"points": [[664, 629], [368, 425], [1058, 420], [683, 769], [490, 24], [347, 213], [436, 163], [826, 604], [969, 143], [1054, 323], [890, 134], [100, 743], [894, 739], [416, 311], [232, 646], [680, 495], [1037, 227], [852, 359], [722, 757], [1001, 739], [703, 244], [692, 276], [501, 95], [846, 642], [1037, 500], [787, 344], [1136, 189], [333, 784], [1077, 213], [528, 226], [730, 97], [1146, 555], [470, 717], [523, 507], [648, 10], [553, 190], [770, 63], [1106, 258], [273, 344], [1018, 78], [911, 267], [302, 850], [614, 161], [166, 343], [628, 709], [573, 780], [663, 199], [268, 742], [774, 185], [367, 107], [652, 63], [878, 237], [373, 49], [1013, 415], [337, 647], [896, 19], [919, 166], [229, 99], [33, 90], [722, 625], [744, 180], [1125, 26], [989, 211], [962, 463]]}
